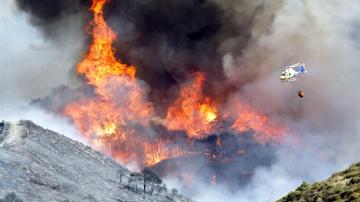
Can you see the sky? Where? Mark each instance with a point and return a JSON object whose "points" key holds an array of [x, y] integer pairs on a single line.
{"points": [[30, 67], [323, 34]]}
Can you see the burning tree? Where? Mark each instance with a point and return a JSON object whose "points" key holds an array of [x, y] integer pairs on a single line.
{"points": [[117, 118]]}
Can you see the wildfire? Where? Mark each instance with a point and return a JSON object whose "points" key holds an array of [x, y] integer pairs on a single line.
{"points": [[250, 119], [192, 112], [116, 118], [109, 119], [100, 62], [157, 152]]}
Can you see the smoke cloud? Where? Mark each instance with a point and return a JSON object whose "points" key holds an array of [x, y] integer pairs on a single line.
{"points": [[164, 40], [240, 45], [321, 34], [31, 66]]}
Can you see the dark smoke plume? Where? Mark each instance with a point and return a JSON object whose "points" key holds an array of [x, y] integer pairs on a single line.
{"points": [[165, 40], [49, 15], [241, 46]]}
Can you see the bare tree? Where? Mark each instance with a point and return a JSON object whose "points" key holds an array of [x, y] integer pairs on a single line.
{"points": [[121, 175], [134, 178], [174, 193], [152, 178]]}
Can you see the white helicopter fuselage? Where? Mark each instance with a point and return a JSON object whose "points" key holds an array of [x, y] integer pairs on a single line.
{"points": [[290, 73]]}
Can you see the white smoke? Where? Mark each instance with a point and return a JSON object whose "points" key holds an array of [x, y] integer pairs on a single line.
{"points": [[30, 67], [321, 34]]}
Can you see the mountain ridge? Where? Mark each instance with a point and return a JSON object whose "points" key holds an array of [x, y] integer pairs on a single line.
{"points": [[38, 164], [343, 186]]}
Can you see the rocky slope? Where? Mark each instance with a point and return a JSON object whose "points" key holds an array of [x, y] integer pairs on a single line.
{"points": [[40, 165], [340, 187]]}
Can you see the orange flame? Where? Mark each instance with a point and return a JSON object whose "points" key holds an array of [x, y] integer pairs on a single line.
{"points": [[115, 118], [249, 119], [100, 62], [108, 119], [191, 111]]}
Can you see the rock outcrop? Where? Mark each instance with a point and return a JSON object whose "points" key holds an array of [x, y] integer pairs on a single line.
{"points": [[41, 165]]}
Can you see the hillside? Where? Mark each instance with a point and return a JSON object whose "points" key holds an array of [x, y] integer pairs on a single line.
{"points": [[340, 187], [40, 165]]}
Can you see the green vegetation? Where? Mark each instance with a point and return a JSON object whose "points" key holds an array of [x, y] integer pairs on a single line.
{"points": [[340, 187]]}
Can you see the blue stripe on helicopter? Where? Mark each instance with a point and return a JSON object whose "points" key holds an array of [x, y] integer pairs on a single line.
{"points": [[300, 69]]}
